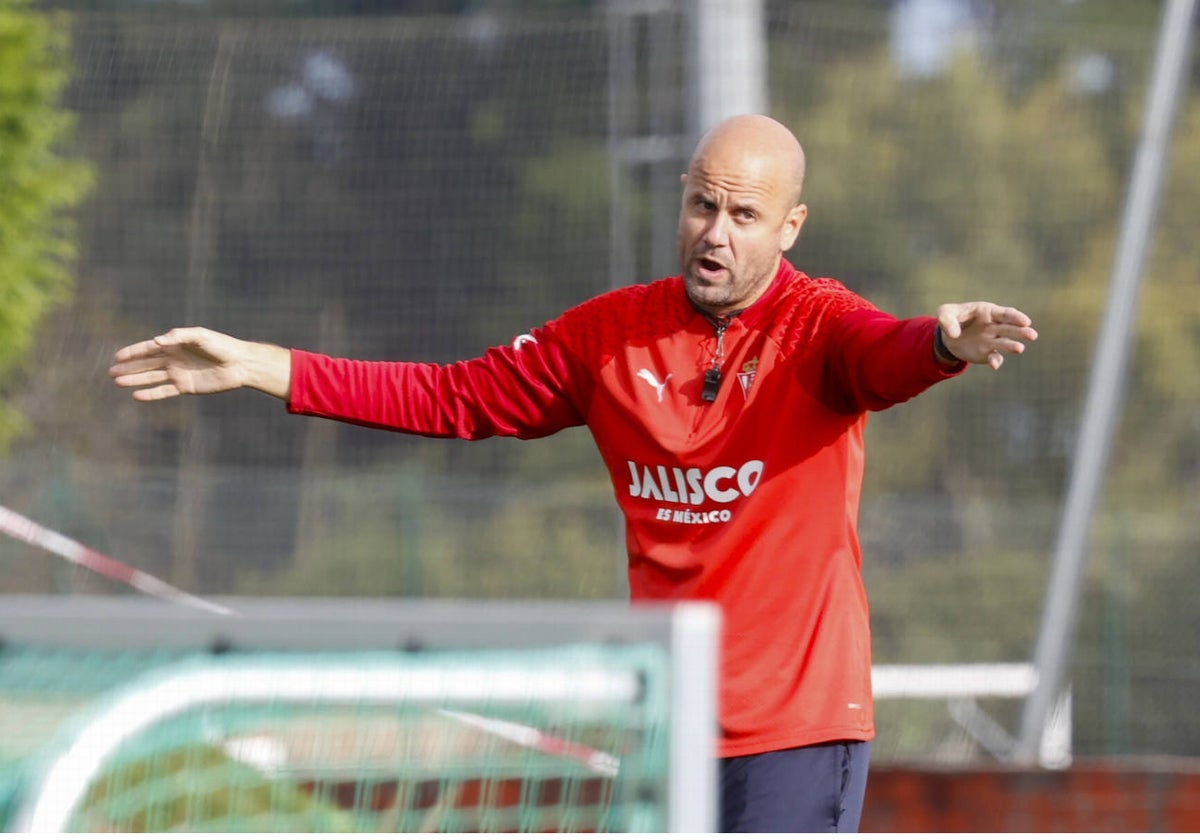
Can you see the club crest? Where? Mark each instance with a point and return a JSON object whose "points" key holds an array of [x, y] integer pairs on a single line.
{"points": [[746, 375]]}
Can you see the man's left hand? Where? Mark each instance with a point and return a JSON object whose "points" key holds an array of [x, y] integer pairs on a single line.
{"points": [[982, 333]]}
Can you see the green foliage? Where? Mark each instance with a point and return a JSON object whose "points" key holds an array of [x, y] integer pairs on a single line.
{"points": [[37, 184], [560, 547], [1003, 589], [1135, 677], [402, 533], [1164, 404], [1000, 202]]}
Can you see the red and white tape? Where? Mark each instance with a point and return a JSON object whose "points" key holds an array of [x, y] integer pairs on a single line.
{"points": [[598, 761], [29, 532]]}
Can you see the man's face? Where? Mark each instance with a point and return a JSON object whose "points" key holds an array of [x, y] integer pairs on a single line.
{"points": [[736, 220]]}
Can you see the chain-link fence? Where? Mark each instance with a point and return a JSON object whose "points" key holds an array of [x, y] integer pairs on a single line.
{"points": [[423, 187]]}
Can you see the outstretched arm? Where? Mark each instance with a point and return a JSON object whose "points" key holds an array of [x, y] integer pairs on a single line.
{"points": [[981, 333], [195, 360]]}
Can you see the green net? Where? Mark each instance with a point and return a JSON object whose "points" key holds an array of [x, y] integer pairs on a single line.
{"points": [[572, 738]]}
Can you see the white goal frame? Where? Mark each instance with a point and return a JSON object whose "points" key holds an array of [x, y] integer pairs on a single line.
{"points": [[960, 685], [690, 633]]}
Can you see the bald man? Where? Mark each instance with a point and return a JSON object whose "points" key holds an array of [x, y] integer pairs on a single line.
{"points": [[728, 404]]}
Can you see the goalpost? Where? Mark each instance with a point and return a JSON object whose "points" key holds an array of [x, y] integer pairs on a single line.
{"points": [[485, 717], [963, 685], [352, 715]]}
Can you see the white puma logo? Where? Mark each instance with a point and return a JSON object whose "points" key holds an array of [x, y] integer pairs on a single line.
{"points": [[654, 383], [523, 338]]}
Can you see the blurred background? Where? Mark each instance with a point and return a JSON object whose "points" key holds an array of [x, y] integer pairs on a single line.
{"points": [[422, 180]]}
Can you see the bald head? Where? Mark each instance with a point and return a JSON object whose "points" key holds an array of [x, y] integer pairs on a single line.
{"points": [[759, 143], [740, 211]]}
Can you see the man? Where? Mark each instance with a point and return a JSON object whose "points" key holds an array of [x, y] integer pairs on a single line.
{"points": [[728, 404]]}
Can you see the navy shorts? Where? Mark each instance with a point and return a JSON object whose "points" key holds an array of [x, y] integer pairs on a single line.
{"points": [[819, 788]]}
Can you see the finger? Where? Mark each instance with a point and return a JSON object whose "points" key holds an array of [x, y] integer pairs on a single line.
{"points": [[995, 359], [1010, 315], [162, 392], [139, 365], [141, 350], [1010, 346], [142, 379], [1016, 334], [181, 335]]}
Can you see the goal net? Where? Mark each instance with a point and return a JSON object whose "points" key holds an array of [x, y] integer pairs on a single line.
{"points": [[607, 735]]}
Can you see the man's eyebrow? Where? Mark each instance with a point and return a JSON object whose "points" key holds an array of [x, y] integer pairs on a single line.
{"points": [[746, 204]]}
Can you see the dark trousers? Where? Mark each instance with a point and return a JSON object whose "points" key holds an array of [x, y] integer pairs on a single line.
{"points": [[819, 788]]}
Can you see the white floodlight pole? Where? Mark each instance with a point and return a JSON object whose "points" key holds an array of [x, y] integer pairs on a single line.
{"points": [[728, 61], [1107, 378]]}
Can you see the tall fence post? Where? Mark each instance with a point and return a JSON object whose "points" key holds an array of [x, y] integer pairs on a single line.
{"points": [[728, 61], [1107, 379]]}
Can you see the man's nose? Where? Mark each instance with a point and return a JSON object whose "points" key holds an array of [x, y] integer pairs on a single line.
{"points": [[717, 232]]}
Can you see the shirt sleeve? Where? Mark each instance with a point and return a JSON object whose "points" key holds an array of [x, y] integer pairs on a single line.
{"points": [[531, 388], [875, 360]]}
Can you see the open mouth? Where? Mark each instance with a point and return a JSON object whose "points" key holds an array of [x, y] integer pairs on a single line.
{"points": [[709, 268]]}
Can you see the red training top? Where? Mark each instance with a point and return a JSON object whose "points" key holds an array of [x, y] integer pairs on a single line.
{"points": [[750, 500]]}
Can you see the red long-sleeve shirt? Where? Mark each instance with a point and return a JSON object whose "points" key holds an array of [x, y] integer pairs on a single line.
{"points": [[750, 500]]}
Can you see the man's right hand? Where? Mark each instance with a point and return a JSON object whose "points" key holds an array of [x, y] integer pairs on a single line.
{"points": [[195, 360]]}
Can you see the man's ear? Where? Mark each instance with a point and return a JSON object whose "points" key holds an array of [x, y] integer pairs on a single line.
{"points": [[792, 222], [683, 179]]}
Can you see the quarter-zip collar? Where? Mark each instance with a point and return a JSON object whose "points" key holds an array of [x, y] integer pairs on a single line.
{"points": [[754, 314], [750, 316]]}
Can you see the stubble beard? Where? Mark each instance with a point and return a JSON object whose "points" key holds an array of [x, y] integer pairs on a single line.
{"points": [[708, 295], [733, 294]]}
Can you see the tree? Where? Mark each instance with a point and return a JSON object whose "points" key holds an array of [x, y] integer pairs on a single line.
{"points": [[38, 185]]}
